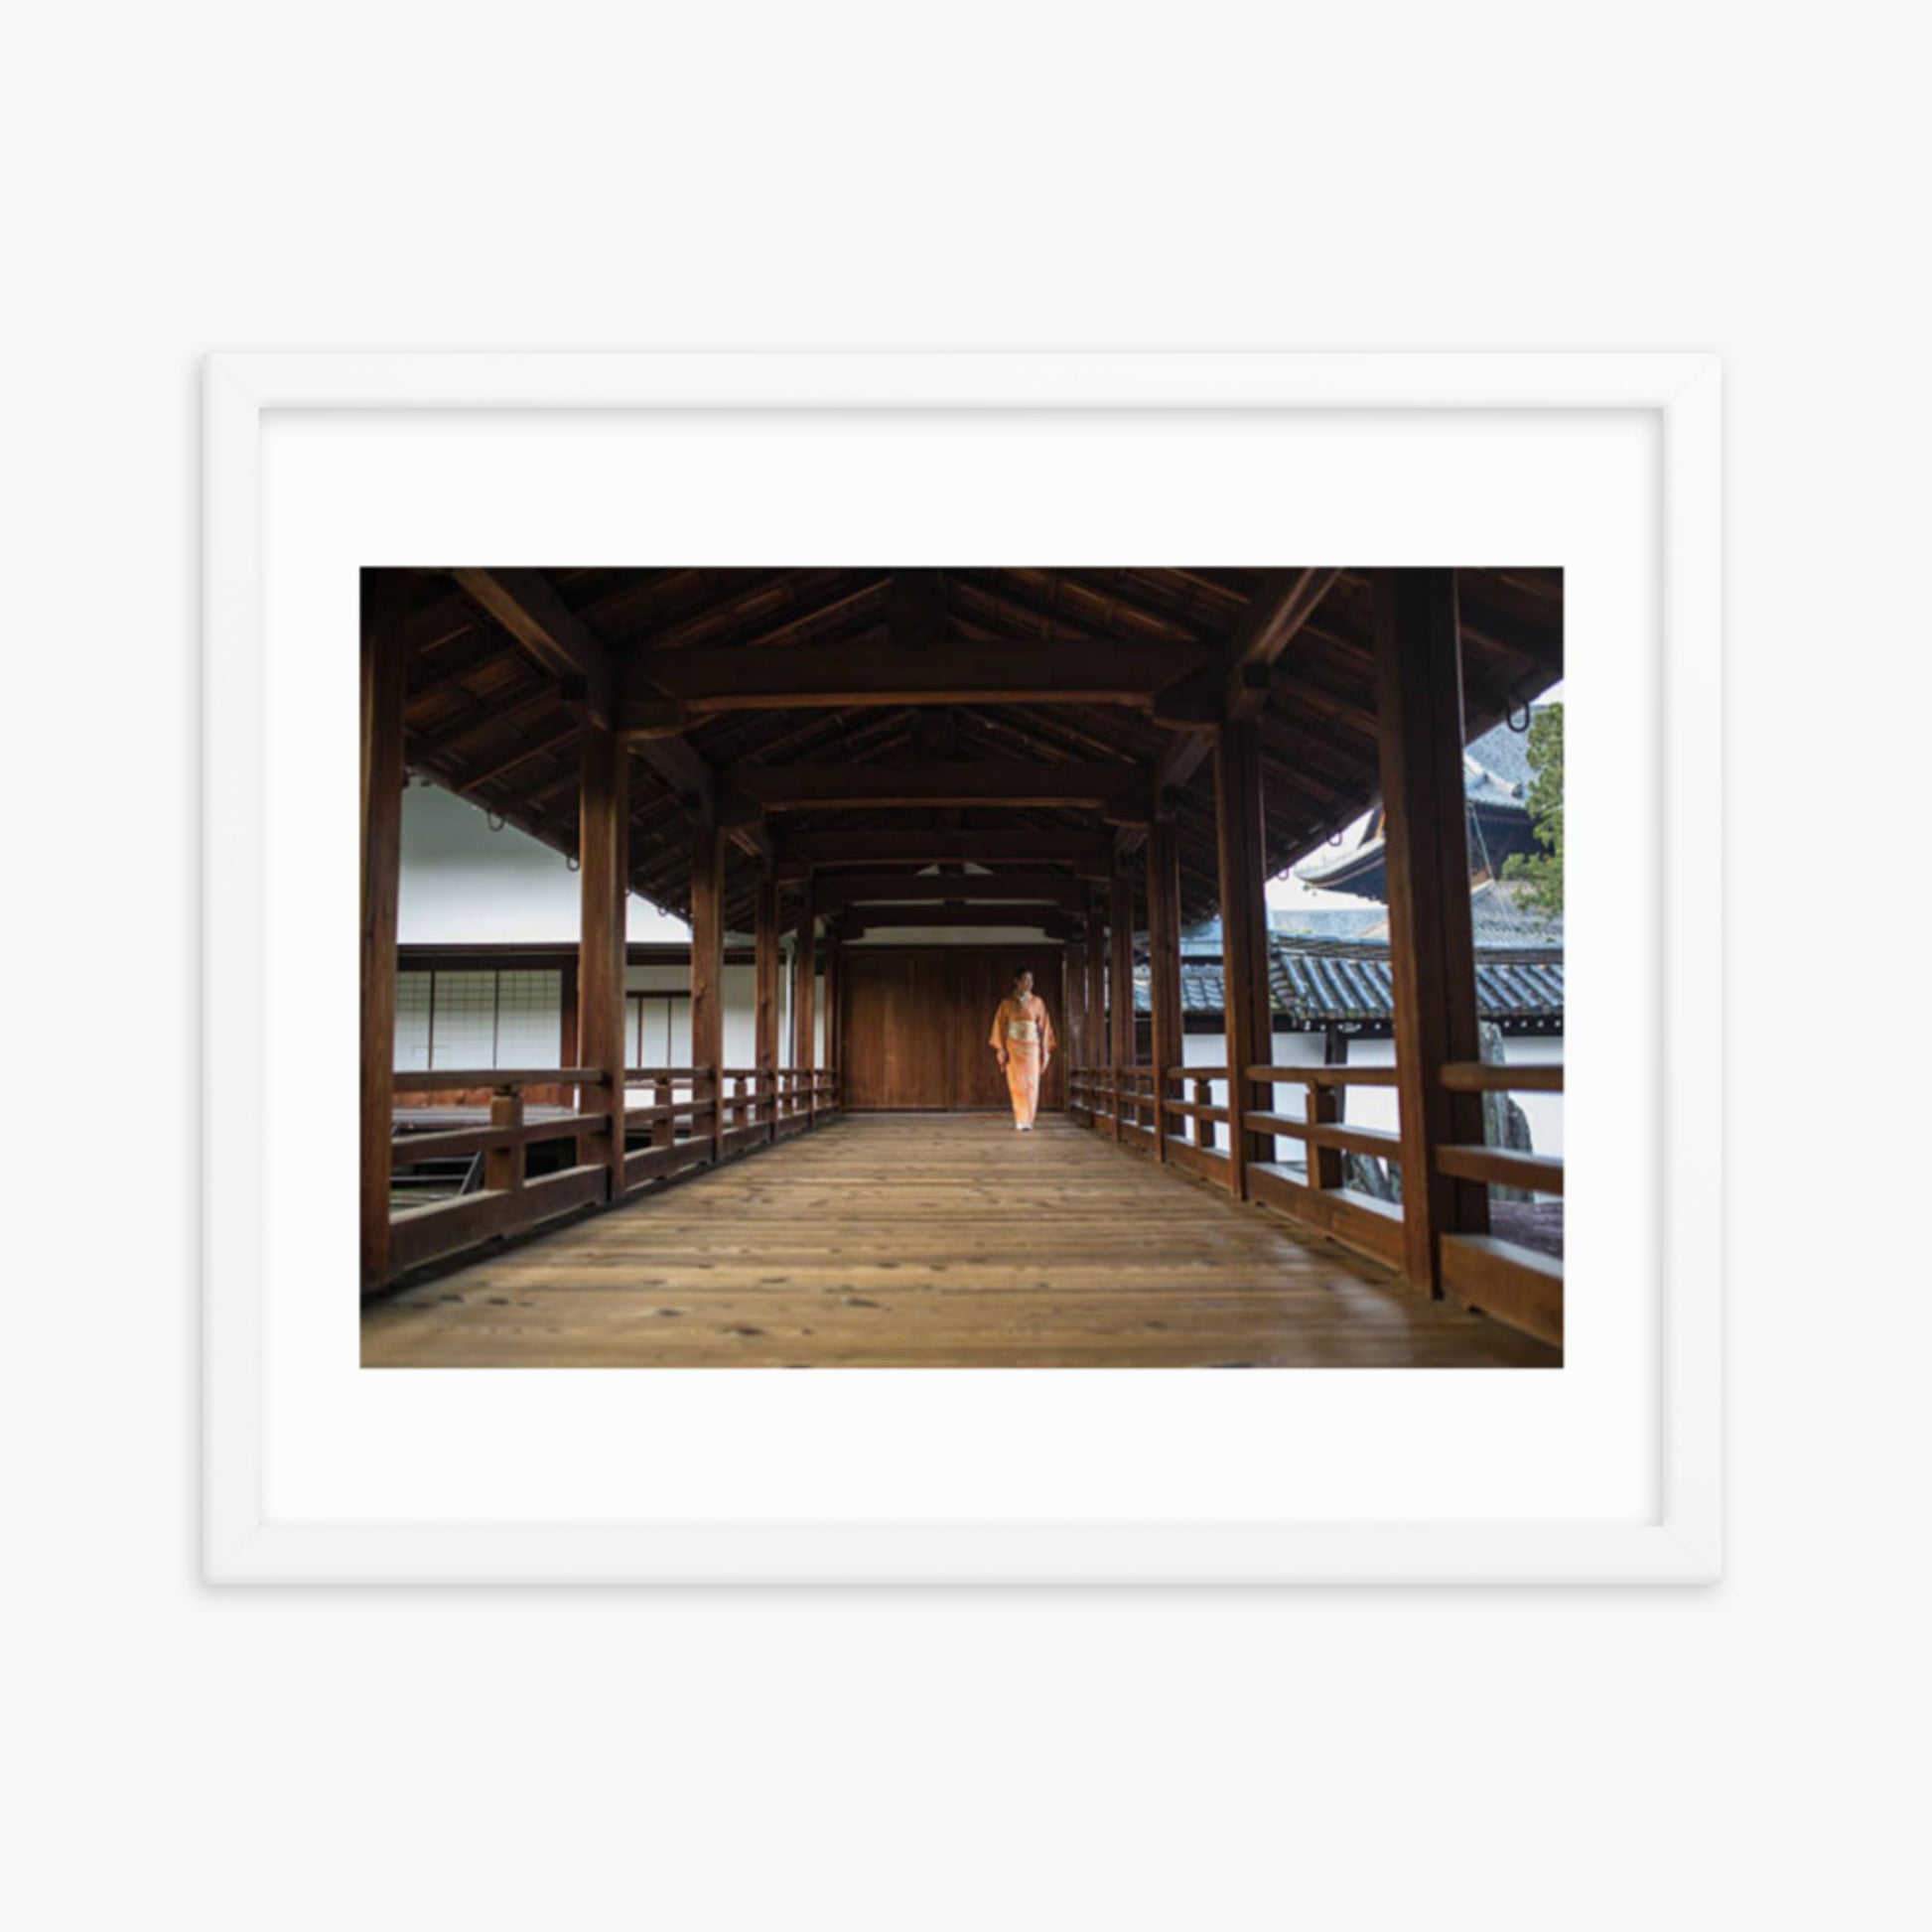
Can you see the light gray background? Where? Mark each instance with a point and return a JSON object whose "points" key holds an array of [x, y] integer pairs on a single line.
{"points": [[1675, 177]]}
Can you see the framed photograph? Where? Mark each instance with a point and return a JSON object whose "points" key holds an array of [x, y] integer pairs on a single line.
{"points": [[1019, 885]]}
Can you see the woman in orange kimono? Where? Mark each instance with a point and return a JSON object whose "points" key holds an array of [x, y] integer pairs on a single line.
{"points": [[1022, 1037]]}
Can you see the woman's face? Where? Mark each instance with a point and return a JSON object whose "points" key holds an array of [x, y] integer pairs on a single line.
{"points": [[1023, 985]]}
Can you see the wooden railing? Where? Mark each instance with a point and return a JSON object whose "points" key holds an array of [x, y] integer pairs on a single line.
{"points": [[695, 1118], [1514, 1284], [1318, 1196], [510, 1200]]}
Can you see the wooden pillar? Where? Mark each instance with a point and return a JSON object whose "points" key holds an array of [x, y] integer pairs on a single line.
{"points": [[1119, 1007], [1096, 1047], [1164, 958], [765, 924], [1097, 1054], [384, 598], [708, 974], [1120, 993], [604, 884], [804, 987], [1242, 848], [1073, 1004], [1431, 949], [834, 1036]]}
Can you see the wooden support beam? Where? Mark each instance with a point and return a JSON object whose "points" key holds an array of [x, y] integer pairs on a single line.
{"points": [[1432, 950], [915, 611], [1055, 888], [1286, 601], [1164, 955], [804, 986], [1276, 616], [684, 770], [858, 921], [663, 691], [1098, 1053], [384, 614], [708, 972], [834, 964], [523, 602], [765, 918], [1241, 842], [1118, 792], [603, 871], [525, 605], [1120, 978], [1087, 855], [1073, 1002]]}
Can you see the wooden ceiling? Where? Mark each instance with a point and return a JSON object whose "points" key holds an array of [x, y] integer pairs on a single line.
{"points": [[865, 721]]}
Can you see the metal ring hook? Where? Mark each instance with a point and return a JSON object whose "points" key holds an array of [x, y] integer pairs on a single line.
{"points": [[1509, 718], [494, 820]]}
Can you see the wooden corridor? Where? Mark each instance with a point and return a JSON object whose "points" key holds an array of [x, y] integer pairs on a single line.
{"points": [[925, 1241]]}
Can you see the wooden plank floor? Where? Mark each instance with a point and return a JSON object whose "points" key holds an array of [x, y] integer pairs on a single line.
{"points": [[931, 1241]]}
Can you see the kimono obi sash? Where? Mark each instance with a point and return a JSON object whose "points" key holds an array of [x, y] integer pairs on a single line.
{"points": [[1022, 1029]]}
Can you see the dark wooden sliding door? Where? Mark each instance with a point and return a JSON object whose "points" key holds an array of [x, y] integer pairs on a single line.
{"points": [[916, 1020]]}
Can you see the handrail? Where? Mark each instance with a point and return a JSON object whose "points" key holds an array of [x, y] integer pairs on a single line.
{"points": [[1484, 1077], [1349, 1140], [1327, 1076], [411, 1149], [1497, 1166], [455, 1080]]}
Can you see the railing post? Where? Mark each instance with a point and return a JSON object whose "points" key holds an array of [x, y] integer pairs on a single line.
{"points": [[1203, 1127], [1323, 1110], [715, 1081], [504, 1166], [663, 1130]]}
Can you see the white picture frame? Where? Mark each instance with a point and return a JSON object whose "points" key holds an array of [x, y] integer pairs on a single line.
{"points": [[243, 1541]]}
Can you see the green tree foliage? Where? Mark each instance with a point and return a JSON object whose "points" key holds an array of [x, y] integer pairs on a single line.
{"points": [[1543, 871]]}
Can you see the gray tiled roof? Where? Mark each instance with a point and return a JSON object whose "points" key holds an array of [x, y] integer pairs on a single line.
{"points": [[1334, 982], [1505, 754]]}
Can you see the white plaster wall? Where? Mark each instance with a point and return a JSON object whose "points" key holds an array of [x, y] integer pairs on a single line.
{"points": [[463, 884]]}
